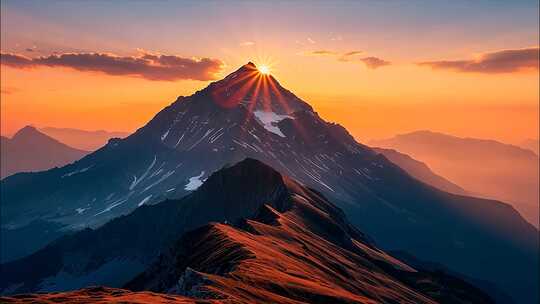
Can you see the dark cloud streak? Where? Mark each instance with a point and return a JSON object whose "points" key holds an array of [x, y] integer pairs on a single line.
{"points": [[322, 53], [349, 54], [505, 61], [374, 62], [148, 66]]}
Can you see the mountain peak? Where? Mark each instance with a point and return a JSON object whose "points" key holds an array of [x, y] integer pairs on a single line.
{"points": [[31, 150], [27, 130], [30, 133], [248, 70], [34, 137], [265, 182], [256, 91]]}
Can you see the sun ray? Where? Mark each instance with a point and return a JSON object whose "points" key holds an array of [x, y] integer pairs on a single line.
{"points": [[283, 102], [234, 99], [264, 69], [267, 98], [278, 94]]}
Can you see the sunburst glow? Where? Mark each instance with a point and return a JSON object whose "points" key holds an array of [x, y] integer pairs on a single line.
{"points": [[264, 69]]}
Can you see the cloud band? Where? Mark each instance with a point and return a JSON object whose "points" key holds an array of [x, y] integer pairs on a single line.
{"points": [[148, 66]]}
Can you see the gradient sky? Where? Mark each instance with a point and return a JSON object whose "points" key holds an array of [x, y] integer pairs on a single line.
{"points": [[477, 79]]}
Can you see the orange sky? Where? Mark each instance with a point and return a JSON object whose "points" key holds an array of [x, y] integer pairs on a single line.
{"points": [[371, 103]]}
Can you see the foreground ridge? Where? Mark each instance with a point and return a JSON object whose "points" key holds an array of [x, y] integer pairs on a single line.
{"points": [[268, 239]]}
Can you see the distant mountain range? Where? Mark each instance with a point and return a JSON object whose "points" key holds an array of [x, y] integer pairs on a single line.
{"points": [[30, 150], [420, 171], [244, 115], [247, 235], [82, 139], [484, 167]]}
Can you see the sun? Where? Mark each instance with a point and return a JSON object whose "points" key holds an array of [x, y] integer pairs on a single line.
{"points": [[264, 69]]}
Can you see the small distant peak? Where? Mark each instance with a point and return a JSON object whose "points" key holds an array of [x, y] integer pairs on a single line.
{"points": [[246, 174], [248, 67], [255, 165], [27, 130], [248, 167], [421, 132]]}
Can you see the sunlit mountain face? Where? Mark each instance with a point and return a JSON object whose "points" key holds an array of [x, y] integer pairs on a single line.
{"points": [[249, 114]]}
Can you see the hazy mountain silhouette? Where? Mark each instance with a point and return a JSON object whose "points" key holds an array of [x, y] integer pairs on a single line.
{"points": [[484, 167], [420, 171], [30, 150], [247, 114], [271, 240], [82, 139]]}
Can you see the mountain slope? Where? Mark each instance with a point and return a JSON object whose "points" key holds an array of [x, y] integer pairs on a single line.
{"points": [[294, 247], [31, 150], [248, 114], [82, 139], [484, 167], [420, 171]]}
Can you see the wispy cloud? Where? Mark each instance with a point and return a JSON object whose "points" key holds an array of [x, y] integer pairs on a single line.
{"points": [[145, 65], [352, 56], [321, 53], [349, 56], [504, 61]]}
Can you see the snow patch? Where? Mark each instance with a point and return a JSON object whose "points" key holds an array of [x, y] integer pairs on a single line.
{"points": [[179, 140], [77, 171], [145, 200], [165, 135], [111, 206], [200, 139], [164, 177], [136, 180], [269, 121], [194, 182]]}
